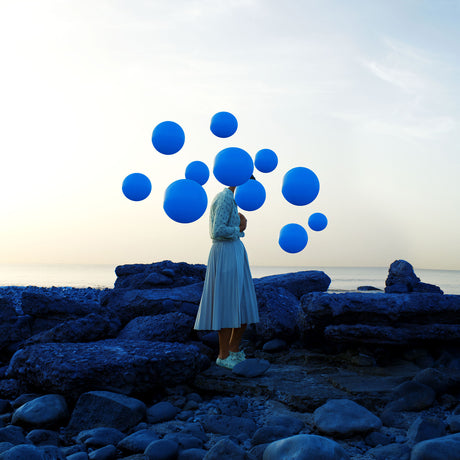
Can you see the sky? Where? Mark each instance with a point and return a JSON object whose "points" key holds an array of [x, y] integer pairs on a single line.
{"points": [[364, 93]]}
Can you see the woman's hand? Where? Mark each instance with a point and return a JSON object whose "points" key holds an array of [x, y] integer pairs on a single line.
{"points": [[243, 222]]}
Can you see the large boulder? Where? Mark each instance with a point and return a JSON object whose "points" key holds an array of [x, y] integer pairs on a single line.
{"points": [[402, 279], [381, 318], [298, 283], [445, 448], [128, 304], [165, 274], [169, 327], [47, 309], [90, 328], [125, 366], [106, 409], [280, 313]]}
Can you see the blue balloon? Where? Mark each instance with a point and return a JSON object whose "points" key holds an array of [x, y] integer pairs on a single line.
{"points": [[293, 238], [224, 124], [250, 196], [168, 137], [317, 221], [185, 201], [300, 186], [266, 160], [136, 187], [233, 166], [197, 171]]}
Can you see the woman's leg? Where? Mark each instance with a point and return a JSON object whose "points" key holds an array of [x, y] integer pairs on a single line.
{"points": [[224, 342], [235, 338]]}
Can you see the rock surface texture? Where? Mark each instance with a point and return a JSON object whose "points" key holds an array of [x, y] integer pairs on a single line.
{"points": [[89, 374]]}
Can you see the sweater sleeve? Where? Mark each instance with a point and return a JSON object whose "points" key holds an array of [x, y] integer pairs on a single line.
{"points": [[221, 219]]}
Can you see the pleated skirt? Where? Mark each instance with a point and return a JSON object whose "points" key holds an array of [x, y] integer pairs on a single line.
{"points": [[228, 299]]}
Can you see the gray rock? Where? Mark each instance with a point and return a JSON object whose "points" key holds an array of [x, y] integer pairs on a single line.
{"points": [[251, 367], [100, 437], [106, 409], [270, 433], [126, 366], [229, 425], [445, 448], [169, 327], [90, 328], [402, 279], [280, 314], [22, 452], [158, 275], [435, 379], [298, 283], [12, 434], [128, 304], [104, 453], [44, 412], [344, 417], [161, 412], [192, 454], [162, 450], [305, 447], [40, 437], [454, 423], [391, 452], [225, 449], [425, 428], [411, 396], [274, 345], [138, 441]]}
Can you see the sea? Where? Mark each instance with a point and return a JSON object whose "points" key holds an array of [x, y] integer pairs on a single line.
{"points": [[343, 279]]}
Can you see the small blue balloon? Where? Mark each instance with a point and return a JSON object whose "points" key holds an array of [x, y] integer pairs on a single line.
{"points": [[185, 201], [317, 221], [233, 166], [168, 137], [224, 124], [197, 171], [266, 160], [136, 187], [250, 196], [300, 186], [293, 238]]}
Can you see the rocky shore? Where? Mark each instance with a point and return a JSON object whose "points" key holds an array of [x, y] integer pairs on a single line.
{"points": [[121, 374]]}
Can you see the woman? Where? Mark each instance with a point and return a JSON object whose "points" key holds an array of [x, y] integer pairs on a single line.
{"points": [[228, 303]]}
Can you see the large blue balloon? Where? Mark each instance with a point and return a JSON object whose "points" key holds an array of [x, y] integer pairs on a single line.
{"points": [[185, 201], [136, 187], [266, 160], [293, 238], [317, 221], [197, 171], [224, 124], [300, 186], [233, 166], [250, 196], [168, 137]]}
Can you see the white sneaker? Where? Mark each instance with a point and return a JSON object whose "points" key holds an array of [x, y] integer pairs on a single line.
{"points": [[228, 362], [238, 356]]}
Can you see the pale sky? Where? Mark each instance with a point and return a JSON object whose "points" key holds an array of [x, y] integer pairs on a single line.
{"points": [[366, 93]]}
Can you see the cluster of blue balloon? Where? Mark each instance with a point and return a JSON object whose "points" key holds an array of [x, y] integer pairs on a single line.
{"points": [[186, 201]]}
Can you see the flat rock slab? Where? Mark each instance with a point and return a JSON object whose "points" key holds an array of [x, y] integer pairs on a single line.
{"points": [[290, 384], [124, 366]]}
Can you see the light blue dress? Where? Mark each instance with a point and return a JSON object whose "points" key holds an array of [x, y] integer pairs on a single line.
{"points": [[228, 299]]}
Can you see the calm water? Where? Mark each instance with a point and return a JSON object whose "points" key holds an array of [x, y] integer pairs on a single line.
{"points": [[101, 276]]}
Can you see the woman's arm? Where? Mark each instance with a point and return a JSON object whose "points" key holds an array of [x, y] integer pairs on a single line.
{"points": [[220, 218]]}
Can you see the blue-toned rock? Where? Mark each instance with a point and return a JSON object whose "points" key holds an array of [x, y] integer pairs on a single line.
{"points": [[251, 368], [138, 441], [393, 451], [22, 452], [162, 450], [445, 448], [343, 417], [100, 437], [229, 425], [161, 412], [225, 449], [305, 447], [425, 428], [411, 396], [104, 453], [44, 412]]}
